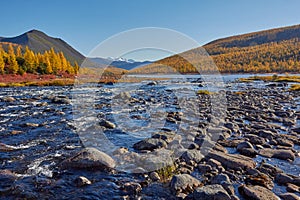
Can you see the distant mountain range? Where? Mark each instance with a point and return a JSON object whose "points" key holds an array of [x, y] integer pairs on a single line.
{"points": [[274, 50], [38, 41], [122, 63]]}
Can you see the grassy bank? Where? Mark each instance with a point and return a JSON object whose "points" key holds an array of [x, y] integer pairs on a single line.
{"points": [[274, 78]]}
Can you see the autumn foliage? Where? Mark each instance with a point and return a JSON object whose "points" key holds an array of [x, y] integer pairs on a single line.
{"points": [[16, 60]]}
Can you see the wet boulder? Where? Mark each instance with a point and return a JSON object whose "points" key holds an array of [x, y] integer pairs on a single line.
{"points": [[82, 181], [192, 155], [257, 193], [282, 154], [60, 100], [166, 136], [289, 196], [233, 161], [107, 124], [284, 179], [132, 188], [89, 158], [184, 182], [208, 192], [150, 144], [8, 99]]}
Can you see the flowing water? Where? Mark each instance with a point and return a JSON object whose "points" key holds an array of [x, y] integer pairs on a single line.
{"points": [[38, 134]]}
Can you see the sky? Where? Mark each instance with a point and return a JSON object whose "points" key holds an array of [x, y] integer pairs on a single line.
{"points": [[86, 23]]}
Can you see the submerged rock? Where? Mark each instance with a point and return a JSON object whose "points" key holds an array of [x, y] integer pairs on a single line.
{"points": [[89, 158]]}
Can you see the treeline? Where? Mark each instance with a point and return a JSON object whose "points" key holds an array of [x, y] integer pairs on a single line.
{"points": [[278, 57], [16, 60]]}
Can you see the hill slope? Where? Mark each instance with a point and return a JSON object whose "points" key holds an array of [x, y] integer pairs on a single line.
{"points": [[38, 41], [275, 50]]}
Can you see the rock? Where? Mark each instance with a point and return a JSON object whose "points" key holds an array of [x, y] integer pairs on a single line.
{"points": [[154, 176], [82, 181], [123, 96], [257, 193], [266, 134], [244, 145], [109, 83], [277, 153], [107, 124], [8, 99], [233, 161], [269, 169], [7, 179], [208, 192], [192, 155], [158, 160], [132, 187], [284, 179], [203, 168], [5, 147], [231, 143], [150, 144], [289, 196], [292, 188], [152, 83], [61, 100], [166, 136], [250, 152], [30, 125], [297, 130], [183, 182], [214, 163], [15, 132], [260, 179], [89, 158], [220, 179], [284, 142], [254, 139]]}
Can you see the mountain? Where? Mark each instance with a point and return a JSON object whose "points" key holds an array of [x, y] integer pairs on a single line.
{"points": [[256, 38], [38, 41], [122, 63], [274, 50]]}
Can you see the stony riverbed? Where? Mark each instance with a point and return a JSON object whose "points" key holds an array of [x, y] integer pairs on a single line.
{"points": [[157, 140]]}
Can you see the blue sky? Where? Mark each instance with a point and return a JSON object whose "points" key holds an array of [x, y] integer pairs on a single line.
{"points": [[84, 24]]}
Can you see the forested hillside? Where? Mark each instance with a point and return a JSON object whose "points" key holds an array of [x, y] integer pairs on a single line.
{"points": [[276, 50], [17, 60]]}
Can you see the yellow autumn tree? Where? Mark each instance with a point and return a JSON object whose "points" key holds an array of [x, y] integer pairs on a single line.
{"points": [[29, 60], [19, 51]]}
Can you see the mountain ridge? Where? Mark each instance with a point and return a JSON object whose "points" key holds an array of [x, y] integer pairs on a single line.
{"points": [[40, 42], [273, 50]]}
